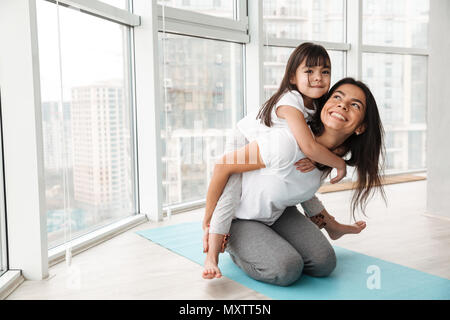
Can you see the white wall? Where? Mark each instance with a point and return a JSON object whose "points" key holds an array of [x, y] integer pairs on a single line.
{"points": [[438, 122]]}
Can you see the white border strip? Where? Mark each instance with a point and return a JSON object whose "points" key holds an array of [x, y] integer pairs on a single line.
{"points": [[9, 281], [24, 166], [185, 206], [205, 20], [103, 10], [148, 108], [433, 216], [242, 11], [293, 43], [394, 50], [187, 29], [196, 24], [93, 238], [3, 238]]}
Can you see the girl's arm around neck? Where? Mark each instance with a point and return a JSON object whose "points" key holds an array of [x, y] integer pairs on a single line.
{"points": [[244, 159], [305, 140]]}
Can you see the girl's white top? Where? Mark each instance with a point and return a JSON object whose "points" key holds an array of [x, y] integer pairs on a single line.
{"points": [[267, 192], [252, 127]]}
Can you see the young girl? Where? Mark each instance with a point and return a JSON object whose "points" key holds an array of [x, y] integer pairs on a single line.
{"points": [[305, 83]]}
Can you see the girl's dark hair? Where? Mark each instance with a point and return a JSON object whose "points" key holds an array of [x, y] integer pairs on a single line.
{"points": [[366, 150], [315, 55]]}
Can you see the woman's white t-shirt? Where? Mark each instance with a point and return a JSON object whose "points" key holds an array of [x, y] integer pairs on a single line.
{"points": [[267, 192]]}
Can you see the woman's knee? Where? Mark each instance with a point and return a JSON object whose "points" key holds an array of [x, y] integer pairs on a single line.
{"points": [[323, 263], [290, 270], [281, 271], [285, 270]]}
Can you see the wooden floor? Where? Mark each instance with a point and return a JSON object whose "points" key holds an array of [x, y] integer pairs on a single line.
{"points": [[131, 267]]}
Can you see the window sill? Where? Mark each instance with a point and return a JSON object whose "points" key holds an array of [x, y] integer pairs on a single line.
{"points": [[57, 254], [9, 281]]}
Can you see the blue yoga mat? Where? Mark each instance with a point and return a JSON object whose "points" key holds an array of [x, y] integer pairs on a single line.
{"points": [[357, 276]]}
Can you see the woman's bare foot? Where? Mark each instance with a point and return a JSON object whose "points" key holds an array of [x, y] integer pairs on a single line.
{"points": [[336, 230], [211, 270]]}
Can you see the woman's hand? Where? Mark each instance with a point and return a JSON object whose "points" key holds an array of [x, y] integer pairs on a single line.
{"points": [[305, 165]]}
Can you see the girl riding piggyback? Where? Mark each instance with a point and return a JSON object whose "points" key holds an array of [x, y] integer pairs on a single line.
{"points": [[302, 91]]}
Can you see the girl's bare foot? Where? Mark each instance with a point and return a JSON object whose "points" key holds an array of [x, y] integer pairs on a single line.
{"points": [[336, 230], [211, 269]]}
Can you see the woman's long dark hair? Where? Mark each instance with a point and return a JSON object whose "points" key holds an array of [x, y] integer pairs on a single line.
{"points": [[315, 55], [366, 150]]}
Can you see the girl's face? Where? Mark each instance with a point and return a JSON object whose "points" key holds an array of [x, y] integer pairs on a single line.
{"points": [[345, 109], [312, 82]]}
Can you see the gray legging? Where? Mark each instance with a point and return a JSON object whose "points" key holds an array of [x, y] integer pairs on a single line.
{"points": [[279, 253]]}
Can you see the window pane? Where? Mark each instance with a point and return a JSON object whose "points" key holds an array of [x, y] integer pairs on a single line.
{"points": [[204, 86], [219, 8], [92, 138], [399, 84], [321, 20], [275, 64], [399, 23]]}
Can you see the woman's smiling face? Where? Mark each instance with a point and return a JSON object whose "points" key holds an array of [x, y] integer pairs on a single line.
{"points": [[345, 109]]}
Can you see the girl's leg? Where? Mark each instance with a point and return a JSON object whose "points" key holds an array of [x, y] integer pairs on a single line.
{"points": [[211, 266], [317, 253], [231, 195], [223, 213], [262, 254]]}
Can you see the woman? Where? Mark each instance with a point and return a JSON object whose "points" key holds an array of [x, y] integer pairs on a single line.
{"points": [[270, 240]]}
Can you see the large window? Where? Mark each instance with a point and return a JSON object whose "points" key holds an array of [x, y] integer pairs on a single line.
{"points": [[202, 90], [395, 67], [86, 114]]}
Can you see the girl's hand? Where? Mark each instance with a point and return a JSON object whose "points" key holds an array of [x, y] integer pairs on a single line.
{"points": [[205, 238], [305, 165], [341, 173]]}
